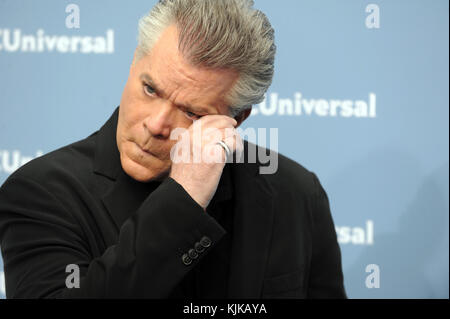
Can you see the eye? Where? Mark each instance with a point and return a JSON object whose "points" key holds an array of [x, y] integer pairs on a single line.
{"points": [[192, 116], [149, 90]]}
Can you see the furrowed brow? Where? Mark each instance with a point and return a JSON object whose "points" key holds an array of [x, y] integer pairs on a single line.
{"points": [[191, 108], [146, 78]]}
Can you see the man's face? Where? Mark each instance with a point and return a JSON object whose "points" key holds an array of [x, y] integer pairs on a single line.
{"points": [[164, 92]]}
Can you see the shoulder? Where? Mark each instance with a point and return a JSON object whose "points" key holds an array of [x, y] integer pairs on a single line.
{"points": [[286, 176]]}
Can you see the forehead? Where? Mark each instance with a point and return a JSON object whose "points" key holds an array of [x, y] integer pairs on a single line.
{"points": [[189, 84]]}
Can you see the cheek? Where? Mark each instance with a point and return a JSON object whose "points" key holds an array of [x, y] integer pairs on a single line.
{"points": [[130, 120], [134, 112]]}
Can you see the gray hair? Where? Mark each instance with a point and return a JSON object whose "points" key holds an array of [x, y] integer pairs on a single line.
{"points": [[227, 34]]}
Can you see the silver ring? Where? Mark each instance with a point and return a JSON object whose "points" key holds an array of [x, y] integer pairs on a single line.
{"points": [[225, 147]]}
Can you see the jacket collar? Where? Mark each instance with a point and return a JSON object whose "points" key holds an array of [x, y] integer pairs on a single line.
{"points": [[253, 208], [107, 156]]}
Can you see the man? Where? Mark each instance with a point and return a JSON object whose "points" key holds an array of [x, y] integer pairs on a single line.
{"points": [[126, 220]]}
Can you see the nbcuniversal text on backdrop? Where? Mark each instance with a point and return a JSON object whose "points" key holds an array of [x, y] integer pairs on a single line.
{"points": [[300, 106], [15, 41]]}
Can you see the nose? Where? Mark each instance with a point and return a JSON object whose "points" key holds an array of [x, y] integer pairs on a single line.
{"points": [[159, 122]]}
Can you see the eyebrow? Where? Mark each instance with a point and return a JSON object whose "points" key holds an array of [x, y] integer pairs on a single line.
{"points": [[195, 109]]}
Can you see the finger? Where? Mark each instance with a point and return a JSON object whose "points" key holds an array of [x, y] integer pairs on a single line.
{"points": [[218, 120], [214, 135], [235, 146], [234, 141]]}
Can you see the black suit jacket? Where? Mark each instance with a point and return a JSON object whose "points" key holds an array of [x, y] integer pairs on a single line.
{"points": [[76, 206]]}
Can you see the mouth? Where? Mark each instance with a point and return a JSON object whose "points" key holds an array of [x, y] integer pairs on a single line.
{"points": [[144, 150]]}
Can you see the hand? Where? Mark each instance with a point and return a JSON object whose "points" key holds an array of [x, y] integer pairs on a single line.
{"points": [[200, 173]]}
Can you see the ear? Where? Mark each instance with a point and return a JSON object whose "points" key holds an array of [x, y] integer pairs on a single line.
{"points": [[241, 117]]}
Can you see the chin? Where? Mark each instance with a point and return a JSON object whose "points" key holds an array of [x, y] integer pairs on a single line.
{"points": [[141, 173]]}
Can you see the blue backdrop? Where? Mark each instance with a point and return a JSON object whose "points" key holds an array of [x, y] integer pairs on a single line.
{"points": [[360, 97]]}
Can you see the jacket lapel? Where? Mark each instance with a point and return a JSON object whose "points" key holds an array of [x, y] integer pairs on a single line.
{"points": [[125, 195], [253, 220]]}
